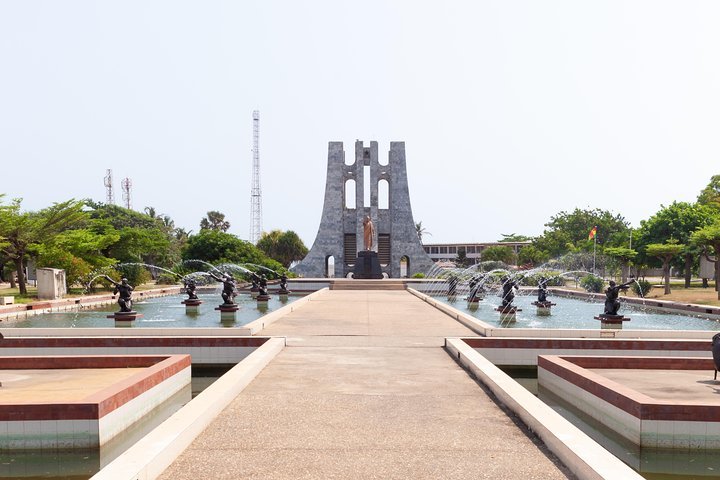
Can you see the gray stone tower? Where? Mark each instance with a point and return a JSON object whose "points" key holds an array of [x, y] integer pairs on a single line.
{"points": [[340, 235]]}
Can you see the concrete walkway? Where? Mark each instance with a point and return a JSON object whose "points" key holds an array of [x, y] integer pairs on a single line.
{"points": [[364, 390]]}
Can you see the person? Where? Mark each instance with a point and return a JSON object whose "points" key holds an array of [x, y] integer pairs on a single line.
{"points": [[542, 290], [508, 295], [228, 293], [190, 287], [612, 304], [124, 289], [368, 232]]}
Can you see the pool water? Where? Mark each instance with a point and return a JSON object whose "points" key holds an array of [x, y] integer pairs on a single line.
{"points": [[571, 313]]}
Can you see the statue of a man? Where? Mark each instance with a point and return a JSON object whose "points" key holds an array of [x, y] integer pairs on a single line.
{"points": [[508, 291], [368, 232], [612, 304], [190, 288], [124, 289], [542, 289], [228, 293]]}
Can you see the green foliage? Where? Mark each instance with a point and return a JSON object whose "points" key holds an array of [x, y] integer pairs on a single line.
{"points": [[418, 275], [641, 287], [710, 195], [462, 260], [553, 279], [498, 253], [285, 247], [167, 279], [214, 221], [531, 255], [592, 283], [568, 232], [219, 247], [512, 237]]}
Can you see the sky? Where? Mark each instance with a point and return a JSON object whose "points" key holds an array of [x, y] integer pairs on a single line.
{"points": [[511, 112]]}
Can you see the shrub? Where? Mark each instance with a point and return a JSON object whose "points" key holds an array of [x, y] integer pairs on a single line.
{"points": [[592, 283], [418, 275], [641, 287], [166, 279]]}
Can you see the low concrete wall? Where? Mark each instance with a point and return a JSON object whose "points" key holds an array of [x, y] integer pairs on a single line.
{"points": [[149, 457], [257, 325], [582, 455]]}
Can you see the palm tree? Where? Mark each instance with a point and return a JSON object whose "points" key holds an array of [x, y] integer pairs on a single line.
{"points": [[421, 231]]}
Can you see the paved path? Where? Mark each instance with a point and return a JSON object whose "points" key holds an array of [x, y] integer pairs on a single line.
{"points": [[364, 391]]}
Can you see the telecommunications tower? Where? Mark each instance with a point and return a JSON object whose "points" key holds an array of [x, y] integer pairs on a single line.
{"points": [[255, 194], [126, 185], [109, 195]]}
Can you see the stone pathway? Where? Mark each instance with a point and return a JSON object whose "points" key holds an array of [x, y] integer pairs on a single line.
{"points": [[364, 390]]}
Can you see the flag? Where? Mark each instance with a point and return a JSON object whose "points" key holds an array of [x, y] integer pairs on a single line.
{"points": [[592, 233]]}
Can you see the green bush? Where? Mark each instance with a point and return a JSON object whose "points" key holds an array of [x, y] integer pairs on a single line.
{"points": [[641, 287], [418, 275], [166, 279], [592, 283]]}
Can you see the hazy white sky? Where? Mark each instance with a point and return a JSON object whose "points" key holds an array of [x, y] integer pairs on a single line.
{"points": [[511, 110]]}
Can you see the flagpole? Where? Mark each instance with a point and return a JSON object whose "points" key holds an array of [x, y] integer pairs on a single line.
{"points": [[594, 249]]}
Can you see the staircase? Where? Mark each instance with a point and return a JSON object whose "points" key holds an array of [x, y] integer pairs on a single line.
{"points": [[384, 284]]}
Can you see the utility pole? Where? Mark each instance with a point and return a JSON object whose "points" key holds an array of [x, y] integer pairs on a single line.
{"points": [[108, 181], [255, 193], [126, 185]]}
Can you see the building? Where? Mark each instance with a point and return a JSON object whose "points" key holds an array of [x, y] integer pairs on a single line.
{"points": [[473, 251]]}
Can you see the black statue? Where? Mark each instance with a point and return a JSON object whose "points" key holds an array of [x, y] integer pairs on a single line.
{"points": [[190, 287], [476, 287], [255, 282], [124, 289], [262, 285], [283, 283], [508, 295], [452, 285], [612, 304], [542, 290], [228, 293]]}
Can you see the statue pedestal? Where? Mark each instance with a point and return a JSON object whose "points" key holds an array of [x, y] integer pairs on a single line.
{"points": [[191, 305], [262, 298], [611, 322], [227, 312], [543, 308], [367, 266], [254, 292], [507, 314], [125, 319]]}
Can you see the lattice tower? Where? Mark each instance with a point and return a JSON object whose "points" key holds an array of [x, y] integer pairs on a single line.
{"points": [[109, 195], [255, 193], [126, 184]]}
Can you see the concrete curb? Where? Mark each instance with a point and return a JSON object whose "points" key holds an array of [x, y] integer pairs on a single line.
{"points": [[150, 456], [477, 326], [582, 455], [258, 325]]}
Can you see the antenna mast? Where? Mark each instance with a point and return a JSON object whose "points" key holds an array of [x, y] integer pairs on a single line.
{"points": [[109, 195], [126, 184], [255, 194]]}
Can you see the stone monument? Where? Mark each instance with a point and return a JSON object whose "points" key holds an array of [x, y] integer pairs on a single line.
{"points": [[51, 283], [342, 233]]}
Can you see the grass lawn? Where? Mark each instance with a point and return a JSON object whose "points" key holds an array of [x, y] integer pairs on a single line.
{"points": [[6, 291]]}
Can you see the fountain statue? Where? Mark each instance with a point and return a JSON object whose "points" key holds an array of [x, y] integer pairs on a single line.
{"points": [[228, 293], [542, 290], [190, 288], [477, 289], [283, 285], [508, 292], [543, 304], [452, 283], [262, 289], [124, 289], [612, 304]]}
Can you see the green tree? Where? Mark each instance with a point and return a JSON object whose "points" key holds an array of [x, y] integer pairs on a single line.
{"points": [[498, 253], [710, 195], [285, 247], [568, 232], [708, 238], [665, 252], [420, 230], [623, 256], [462, 260], [531, 255], [512, 237], [678, 220], [23, 231], [219, 247], [214, 221]]}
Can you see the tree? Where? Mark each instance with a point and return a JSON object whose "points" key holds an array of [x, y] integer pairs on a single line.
{"points": [[568, 232], [708, 238], [665, 252], [462, 259], [531, 255], [678, 220], [623, 256], [219, 247], [214, 221], [24, 230], [285, 247], [512, 237], [420, 230], [710, 195], [498, 253]]}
